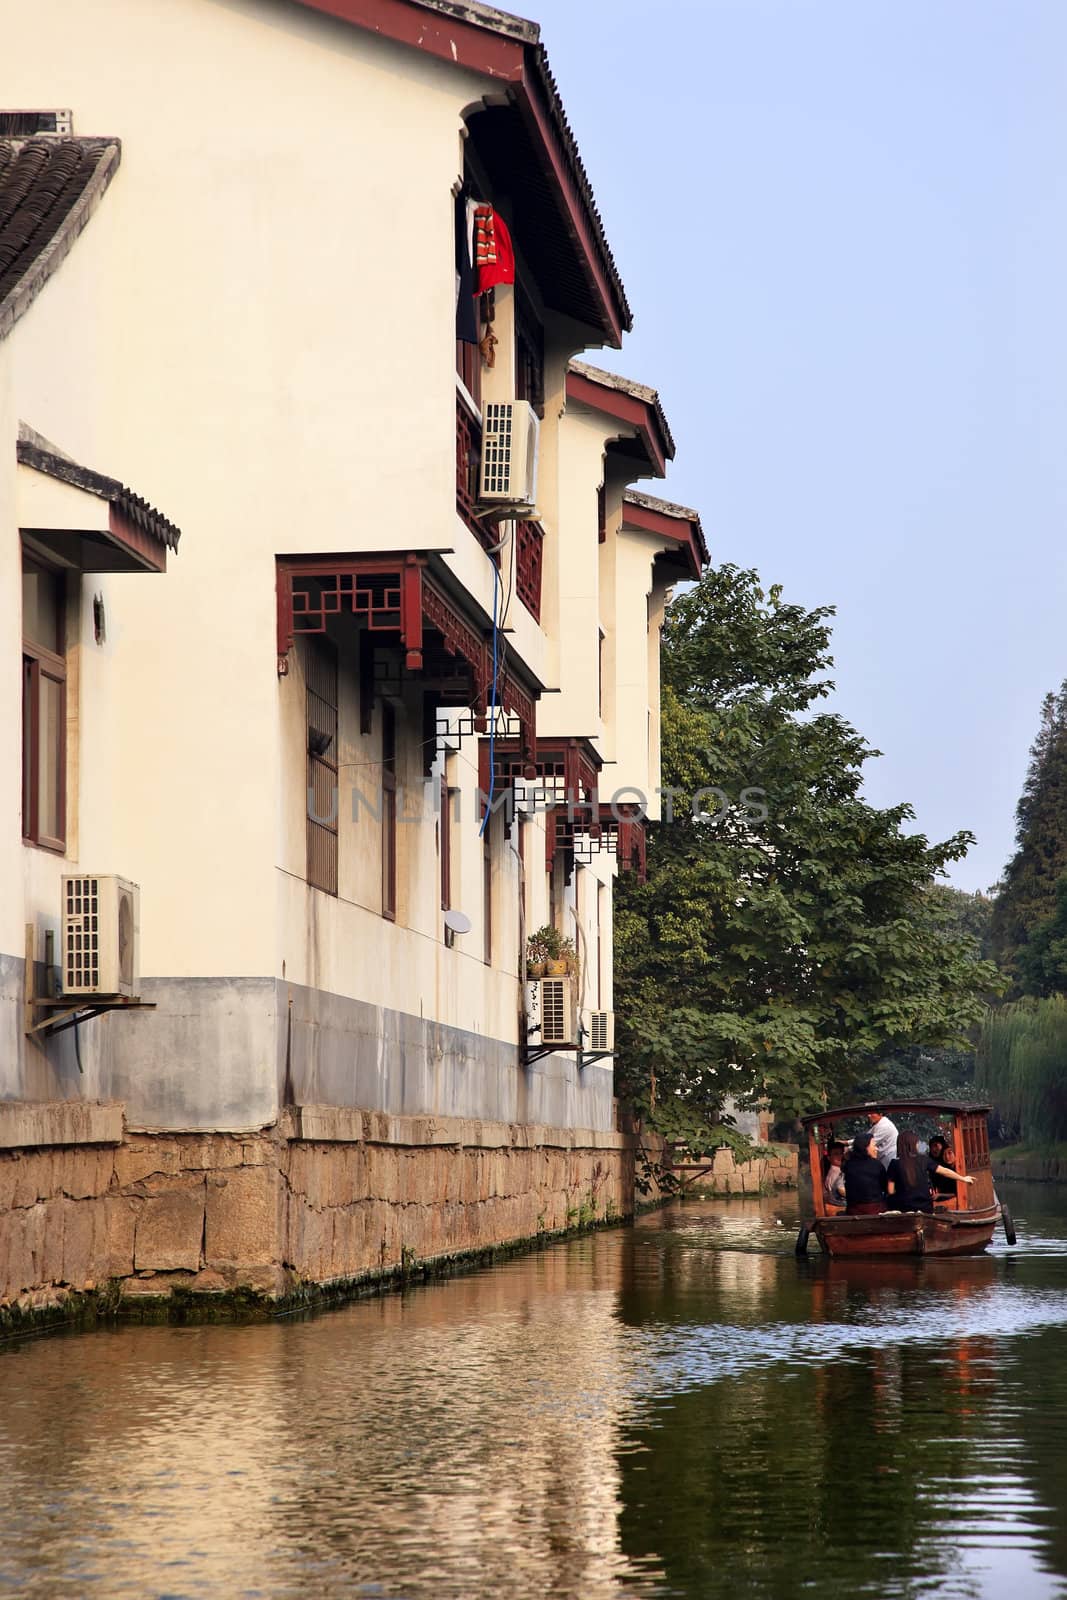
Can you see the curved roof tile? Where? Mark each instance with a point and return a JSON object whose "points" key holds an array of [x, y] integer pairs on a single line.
{"points": [[49, 188]]}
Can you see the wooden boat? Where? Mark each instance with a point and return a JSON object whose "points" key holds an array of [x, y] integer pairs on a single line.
{"points": [[960, 1224]]}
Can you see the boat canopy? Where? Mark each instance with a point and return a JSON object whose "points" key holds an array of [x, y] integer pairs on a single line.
{"points": [[955, 1108]]}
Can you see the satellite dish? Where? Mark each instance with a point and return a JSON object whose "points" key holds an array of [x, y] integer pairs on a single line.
{"points": [[457, 922]]}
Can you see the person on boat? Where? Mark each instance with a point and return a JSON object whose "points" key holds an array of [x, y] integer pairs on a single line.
{"points": [[943, 1153], [865, 1179], [834, 1182], [910, 1176], [884, 1134]]}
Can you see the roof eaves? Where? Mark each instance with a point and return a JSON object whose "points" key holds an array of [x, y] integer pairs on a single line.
{"points": [[37, 452], [670, 508], [490, 17], [639, 391], [519, 59]]}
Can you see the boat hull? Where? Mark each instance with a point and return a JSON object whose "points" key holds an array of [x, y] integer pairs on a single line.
{"points": [[907, 1233]]}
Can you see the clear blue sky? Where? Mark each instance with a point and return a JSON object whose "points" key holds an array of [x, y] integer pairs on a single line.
{"points": [[842, 225]]}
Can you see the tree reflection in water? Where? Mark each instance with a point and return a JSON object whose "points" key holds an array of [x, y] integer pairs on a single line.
{"points": [[679, 1409]]}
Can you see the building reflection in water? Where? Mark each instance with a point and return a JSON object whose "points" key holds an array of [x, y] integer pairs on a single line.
{"points": [[681, 1408], [462, 1439]]}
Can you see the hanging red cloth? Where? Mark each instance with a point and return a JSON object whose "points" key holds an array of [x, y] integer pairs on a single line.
{"points": [[494, 253]]}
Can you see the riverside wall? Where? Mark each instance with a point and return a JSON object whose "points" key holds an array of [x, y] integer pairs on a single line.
{"points": [[93, 1215], [721, 1174], [1029, 1167]]}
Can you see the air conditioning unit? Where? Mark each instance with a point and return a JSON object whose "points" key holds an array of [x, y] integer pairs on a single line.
{"points": [[510, 433], [100, 923], [559, 1018], [601, 1036]]}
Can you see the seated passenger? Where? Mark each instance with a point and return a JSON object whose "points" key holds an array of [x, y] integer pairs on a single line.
{"points": [[865, 1179], [943, 1153], [911, 1175], [834, 1182]]}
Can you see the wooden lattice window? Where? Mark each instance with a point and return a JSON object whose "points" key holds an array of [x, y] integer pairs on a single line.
{"points": [[320, 678], [44, 706], [529, 546]]}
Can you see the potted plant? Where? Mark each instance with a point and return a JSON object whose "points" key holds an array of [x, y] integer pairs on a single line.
{"points": [[537, 953], [567, 960]]}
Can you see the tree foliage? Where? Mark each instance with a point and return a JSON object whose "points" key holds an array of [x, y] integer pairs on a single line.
{"points": [[1020, 1066], [1027, 898], [787, 936]]}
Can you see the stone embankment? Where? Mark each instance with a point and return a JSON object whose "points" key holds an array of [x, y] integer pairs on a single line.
{"points": [[1031, 1166], [142, 1223], [722, 1174]]}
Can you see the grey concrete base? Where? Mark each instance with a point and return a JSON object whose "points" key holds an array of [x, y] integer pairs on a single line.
{"points": [[25, 1124], [341, 1052], [227, 1054]]}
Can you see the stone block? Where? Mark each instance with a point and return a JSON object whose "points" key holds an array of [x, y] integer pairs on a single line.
{"points": [[116, 1244], [272, 1281], [241, 1221], [170, 1230], [83, 1172], [154, 1286], [34, 1178], [310, 1240], [143, 1157], [211, 1280], [50, 1259], [78, 1267]]}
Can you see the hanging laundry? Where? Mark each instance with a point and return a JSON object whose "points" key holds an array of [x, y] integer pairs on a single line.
{"points": [[494, 253], [466, 310]]}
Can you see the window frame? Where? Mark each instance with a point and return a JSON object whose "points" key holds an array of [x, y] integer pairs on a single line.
{"points": [[487, 894], [321, 663], [389, 839], [40, 662]]}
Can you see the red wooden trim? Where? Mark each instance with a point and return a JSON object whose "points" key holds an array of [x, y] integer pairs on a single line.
{"points": [[679, 530], [147, 551], [411, 613], [625, 408], [536, 114], [460, 43]]}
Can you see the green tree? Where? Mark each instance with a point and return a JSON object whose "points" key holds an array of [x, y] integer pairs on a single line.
{"points": [[786, 937], [1021, 1053], [1026, 898], [1042, 960]]}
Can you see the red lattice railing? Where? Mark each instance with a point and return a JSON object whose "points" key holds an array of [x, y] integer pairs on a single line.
{"points": [[529, 544]]}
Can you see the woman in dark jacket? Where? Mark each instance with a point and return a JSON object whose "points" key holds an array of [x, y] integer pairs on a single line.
{"points": [[865, 1179], [911, 1175]]}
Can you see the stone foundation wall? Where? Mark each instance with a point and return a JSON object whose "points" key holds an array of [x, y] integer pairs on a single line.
{"points": [[326, 1198], [1033, 1167], [724, 1175]]}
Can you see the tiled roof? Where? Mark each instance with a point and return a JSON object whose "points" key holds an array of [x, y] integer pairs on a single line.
{"points": [[37, 452], [666, 508], [49, 188], [669, 508], [486, 17], [639, 391]]}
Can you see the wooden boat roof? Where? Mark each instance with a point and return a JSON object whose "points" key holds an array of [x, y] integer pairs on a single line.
{"points": [[839, 1113]]}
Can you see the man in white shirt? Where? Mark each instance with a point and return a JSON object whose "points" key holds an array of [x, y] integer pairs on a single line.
{"points": [[884, 1134]]}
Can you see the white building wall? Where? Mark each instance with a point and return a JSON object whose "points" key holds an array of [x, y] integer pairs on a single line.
{"points": [[255, 331]]}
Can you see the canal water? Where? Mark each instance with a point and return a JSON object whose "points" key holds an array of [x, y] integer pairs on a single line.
{"points": [[676, 1409]]}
